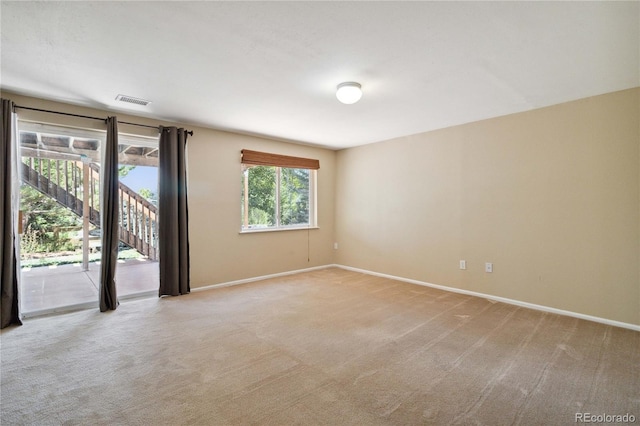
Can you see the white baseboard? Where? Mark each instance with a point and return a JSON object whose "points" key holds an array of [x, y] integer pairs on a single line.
{"points": [[426, 284], [262, 277], [497, 299]]}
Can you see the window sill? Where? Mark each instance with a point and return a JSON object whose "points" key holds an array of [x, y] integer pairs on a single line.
{"points": [[260, 230]]}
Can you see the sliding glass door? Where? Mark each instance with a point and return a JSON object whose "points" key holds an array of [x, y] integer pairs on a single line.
{"points": [[137, 272], [60, 235], [59, 217]]}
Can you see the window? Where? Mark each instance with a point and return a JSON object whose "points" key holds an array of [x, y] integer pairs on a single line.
{"points": [[275, 196]]}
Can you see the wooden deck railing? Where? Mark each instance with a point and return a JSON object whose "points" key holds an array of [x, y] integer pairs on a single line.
{"points": [[138, 222], [62, 180]]}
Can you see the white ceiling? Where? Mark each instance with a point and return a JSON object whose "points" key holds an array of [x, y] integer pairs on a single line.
{"points": [[271, 68]]}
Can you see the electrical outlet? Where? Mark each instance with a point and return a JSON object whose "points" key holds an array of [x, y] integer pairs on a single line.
{"points": [[463, 264], [488, 267], [335, 246]]}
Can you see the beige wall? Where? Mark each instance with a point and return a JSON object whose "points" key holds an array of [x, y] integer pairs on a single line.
{"points": [[551, 197], [218, 252]]}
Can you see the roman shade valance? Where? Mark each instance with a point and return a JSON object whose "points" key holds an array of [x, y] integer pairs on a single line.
{"points": [[257, 158]]}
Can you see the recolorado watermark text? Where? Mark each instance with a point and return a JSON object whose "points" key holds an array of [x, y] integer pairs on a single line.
{"points": [[604, 418]]}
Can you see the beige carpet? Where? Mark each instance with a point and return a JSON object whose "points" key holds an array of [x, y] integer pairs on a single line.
{"points": [[327, 347]]}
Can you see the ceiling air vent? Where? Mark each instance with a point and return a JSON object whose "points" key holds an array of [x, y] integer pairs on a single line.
{"points": [[132, 100]]}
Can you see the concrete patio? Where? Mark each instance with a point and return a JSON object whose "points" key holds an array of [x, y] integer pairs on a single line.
{"points": [[50, 289]]}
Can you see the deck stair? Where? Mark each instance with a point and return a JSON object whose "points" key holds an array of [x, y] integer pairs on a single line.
{"points": [[62, 180]]}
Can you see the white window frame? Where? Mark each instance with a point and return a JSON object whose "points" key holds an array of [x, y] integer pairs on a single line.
{"points": [[313, 211]]}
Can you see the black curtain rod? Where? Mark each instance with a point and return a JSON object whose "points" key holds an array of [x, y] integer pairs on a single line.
{"points": [[190, 132]]}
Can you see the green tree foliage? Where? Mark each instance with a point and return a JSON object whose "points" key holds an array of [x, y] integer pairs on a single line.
{"points": [[293, 191], [262, 195], [294, 196], [149, 195], [46, 223], [124, 170]]}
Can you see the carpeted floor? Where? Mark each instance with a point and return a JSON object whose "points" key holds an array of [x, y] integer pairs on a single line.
{"points": [[327, 347]]}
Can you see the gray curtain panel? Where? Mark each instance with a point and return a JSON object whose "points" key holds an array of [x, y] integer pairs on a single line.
{"points": [[9, 307], [173, 245], [109, 218]]}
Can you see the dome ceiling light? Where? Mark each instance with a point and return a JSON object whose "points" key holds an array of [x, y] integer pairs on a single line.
{"points": [[349, 92]]}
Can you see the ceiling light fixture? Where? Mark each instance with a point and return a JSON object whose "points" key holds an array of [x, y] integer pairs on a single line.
{"points": [[349, 92]]}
